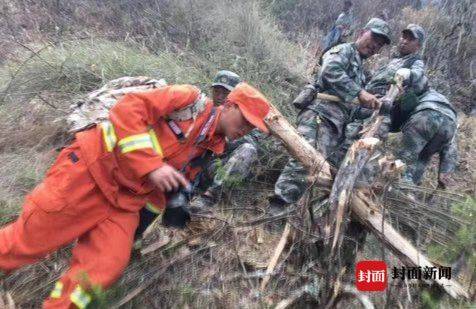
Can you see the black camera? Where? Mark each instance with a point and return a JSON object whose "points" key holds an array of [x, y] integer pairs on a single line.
{"points": [[177, 213]]}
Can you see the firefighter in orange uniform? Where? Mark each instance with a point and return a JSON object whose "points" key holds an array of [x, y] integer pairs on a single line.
{"points": [[98, 184]]}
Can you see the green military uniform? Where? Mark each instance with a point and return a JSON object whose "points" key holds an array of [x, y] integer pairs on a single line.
{"points": [[427, 120], [384, 76], [236, 163], [323, 123], [430, 129]]}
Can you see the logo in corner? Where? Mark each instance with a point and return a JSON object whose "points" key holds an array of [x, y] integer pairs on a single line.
{"points": [[371, 276]]}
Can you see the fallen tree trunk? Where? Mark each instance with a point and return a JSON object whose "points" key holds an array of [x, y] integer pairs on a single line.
{"points": [[315, 162], [368, 213], [362, 207]]}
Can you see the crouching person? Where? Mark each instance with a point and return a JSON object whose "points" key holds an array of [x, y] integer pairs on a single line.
{"points": [[94, 191], [236, 163], [430, 129]]}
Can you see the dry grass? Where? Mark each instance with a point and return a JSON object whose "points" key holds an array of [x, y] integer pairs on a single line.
{"points": [[183, 41]]}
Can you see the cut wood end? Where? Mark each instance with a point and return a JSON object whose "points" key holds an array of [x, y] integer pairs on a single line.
{"points": [[389, 166], [370, 142], [399, 165]]}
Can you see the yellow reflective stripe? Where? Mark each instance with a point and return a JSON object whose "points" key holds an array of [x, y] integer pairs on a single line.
{"points": [[155, 142], [135, 142], [134, 138], [57, 290], [152, 208], [109, 135], [80, 298]]}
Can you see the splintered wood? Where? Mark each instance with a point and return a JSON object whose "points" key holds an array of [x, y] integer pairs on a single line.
{"points": [[362, 207]]}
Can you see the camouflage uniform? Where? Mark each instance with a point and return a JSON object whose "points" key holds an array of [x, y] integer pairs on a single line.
{"points": [[235, 165], [428, 123], [430, 129], [323, 123], [343, 27], [379, 84], [384, 76], [415, 85]]}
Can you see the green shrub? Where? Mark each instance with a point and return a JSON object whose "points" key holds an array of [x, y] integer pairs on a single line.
{"points": [[465, 239]]}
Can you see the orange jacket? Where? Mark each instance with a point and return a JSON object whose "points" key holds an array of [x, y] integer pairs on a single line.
{"points": [[138, 140]]}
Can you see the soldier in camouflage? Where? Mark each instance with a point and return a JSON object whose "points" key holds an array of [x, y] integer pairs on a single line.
{"points": [[430, 129], [236, 163], [223, 82], [426, 118], [343, 27], [323, 123], [408, 64]]}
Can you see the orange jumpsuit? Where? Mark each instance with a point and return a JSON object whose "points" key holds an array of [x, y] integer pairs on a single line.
{"points": [[97, 185]]}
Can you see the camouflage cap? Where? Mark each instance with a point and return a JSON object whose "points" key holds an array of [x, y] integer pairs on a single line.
{"points": [[379, 27], [417, 32], [226, 79]]}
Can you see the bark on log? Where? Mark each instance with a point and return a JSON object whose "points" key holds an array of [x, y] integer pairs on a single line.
{"points": [[362, 207], [299, 148]]}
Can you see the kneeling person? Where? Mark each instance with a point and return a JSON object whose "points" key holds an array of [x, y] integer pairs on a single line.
{"points": [[430, 129], [235, 164], [94, 191]]}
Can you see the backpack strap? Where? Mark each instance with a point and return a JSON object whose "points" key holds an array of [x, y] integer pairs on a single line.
{"points": [[191, 111], [176, 129]]}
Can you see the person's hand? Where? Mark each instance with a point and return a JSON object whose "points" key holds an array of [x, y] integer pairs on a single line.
{"points": [[444, 180], [403, 73], [166, 178], [368, 100]]}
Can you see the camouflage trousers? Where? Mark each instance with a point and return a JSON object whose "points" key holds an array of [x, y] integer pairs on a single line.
{"points": [[331, 136], [325, 134], [426, 133], [232, 169]]}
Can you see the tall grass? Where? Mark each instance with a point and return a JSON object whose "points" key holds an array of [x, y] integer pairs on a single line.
{"points": [[76, 67]]}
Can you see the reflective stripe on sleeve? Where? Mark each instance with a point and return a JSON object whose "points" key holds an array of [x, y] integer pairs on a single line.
{"points": [[135, 142], [155, 143], [152, 208], [57, 290], [80, 298], [109, 135]]}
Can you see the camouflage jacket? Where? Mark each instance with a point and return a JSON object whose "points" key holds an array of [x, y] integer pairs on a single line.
{"points": [[341, 74], [434, 100], [384, 76], [252, 138]]}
